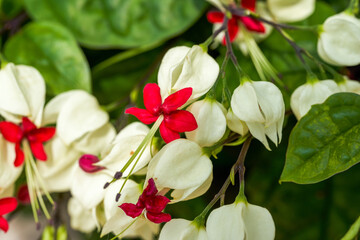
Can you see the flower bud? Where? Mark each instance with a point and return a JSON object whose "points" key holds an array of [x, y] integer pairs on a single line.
{"points": [[184, 67], [309, 94], [349, 86], [339, 40], [210, 116], [22, 93], [240, 221], [181, 229], [291, 11], [181, 165], [261, 106]]}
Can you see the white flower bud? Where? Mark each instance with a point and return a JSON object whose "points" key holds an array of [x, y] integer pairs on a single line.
{"points": [[181, 229], [22, 93], [338, 43], [181, 165], [261, 106], [235, 124], [291, 10], [349, 86], [210, 117], [240, 221], [309, 94], [184, 67]]}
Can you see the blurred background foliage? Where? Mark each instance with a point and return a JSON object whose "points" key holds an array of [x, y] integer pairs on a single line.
{"points": [[112, 48]]}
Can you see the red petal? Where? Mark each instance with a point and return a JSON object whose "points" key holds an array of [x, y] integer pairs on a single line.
{"points": [[4, 224], [38, 150], [11, 132], [158, 217], [7, 205], [142, 114], [167, 134], [19, 156], [215, 17], [248, 4], [176, 100], [23, 195], [131, 209], [41, 134], [156, 203], [253, 24], [152, 98], [233, 28], [86, 163], [27, 125], [180, 121], [150, 189]]}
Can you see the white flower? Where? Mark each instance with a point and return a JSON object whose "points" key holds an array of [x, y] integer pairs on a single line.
{"points": [[220, 3], [210, 117], [184, 67], [261, 106], [181, 165], [291, 10], [240, 221], [81, 128], [339, 40], [81, 218], [22, 93], [181, 229], [235, 124], [309, 94]]}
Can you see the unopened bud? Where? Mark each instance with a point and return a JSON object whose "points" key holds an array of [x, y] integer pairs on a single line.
{"points": [[87, 161]]}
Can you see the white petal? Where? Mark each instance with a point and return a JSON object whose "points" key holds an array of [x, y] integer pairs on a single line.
{"points": [[180, 164], [210, 117], [340, 39], [57, 171], [181, 229], [259, 224], [133, 129], [90, 196], [196, 69], [22, 93], [350, 86], [291, 10], [80, 218], [8, 172], [258, 131], [235, 124], [244, 103], [226, 223]]}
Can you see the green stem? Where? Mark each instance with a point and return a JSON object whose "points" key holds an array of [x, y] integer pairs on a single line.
{"points": [[200, 220], [117, 236], [353, 7], [353, 231]]}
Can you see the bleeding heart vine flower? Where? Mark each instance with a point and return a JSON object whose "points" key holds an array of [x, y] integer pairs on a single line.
{"points": [[174, 121], [261, 106], [27, 131], [234, 22], [339, 40], [150, 203], [7, 205]]}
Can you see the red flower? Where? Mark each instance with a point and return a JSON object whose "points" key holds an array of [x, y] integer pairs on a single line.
{"points": [[175, 121], [86, 163], [7, 205], [233, 24], [151, 204], [27, 130]]}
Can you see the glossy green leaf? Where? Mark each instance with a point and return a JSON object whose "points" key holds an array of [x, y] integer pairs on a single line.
{"points": [[326, 140], [51, 49], [121, 23]]}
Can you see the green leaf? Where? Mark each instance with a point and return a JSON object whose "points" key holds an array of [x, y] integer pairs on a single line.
{"points": [[51, 49], [325, 141], [353, 231], [10, 8], [120, 24]]}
